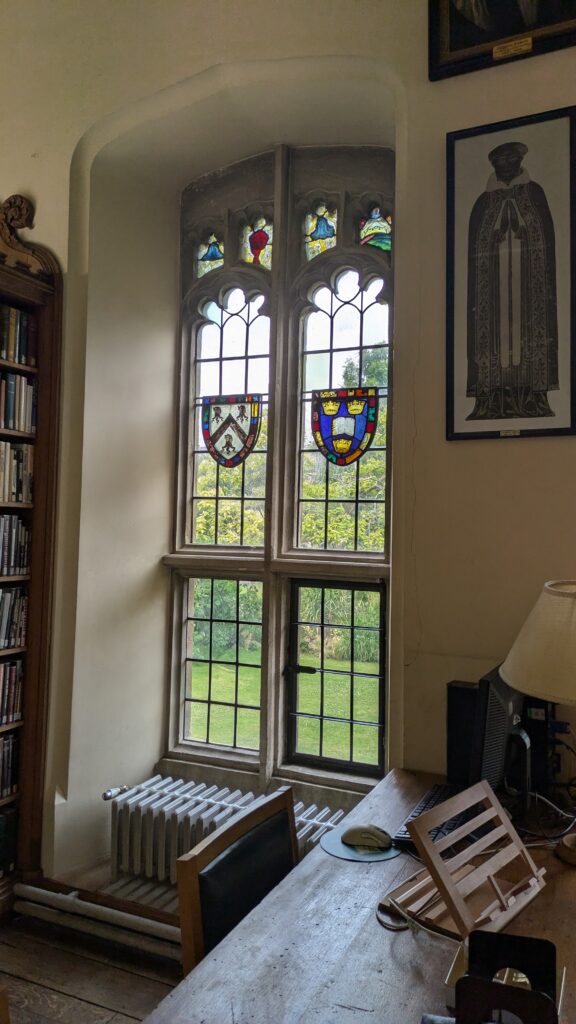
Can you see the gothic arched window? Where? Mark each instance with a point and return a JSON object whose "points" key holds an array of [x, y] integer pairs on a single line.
{"points": [[281, 549]]}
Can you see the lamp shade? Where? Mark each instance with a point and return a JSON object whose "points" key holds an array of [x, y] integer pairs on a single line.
{"points": [[542, 660]]}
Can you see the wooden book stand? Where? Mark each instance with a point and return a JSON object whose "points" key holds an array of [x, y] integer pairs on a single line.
{"points": [[480, 875]]}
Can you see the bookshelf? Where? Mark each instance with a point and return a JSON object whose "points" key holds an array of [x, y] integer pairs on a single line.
{"points": [[30, 330]]}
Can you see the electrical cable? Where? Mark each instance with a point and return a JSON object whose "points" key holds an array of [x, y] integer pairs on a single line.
{"points": [[545, 800]]}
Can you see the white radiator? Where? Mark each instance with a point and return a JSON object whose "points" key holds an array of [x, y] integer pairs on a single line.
{"points": [[157, 821]]}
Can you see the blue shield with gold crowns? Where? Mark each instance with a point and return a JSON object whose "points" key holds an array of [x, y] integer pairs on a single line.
{"points": [[230, 426], [344, 422]]}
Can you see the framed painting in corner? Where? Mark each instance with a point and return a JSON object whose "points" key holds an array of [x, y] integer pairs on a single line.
{"points": [[510, 305], [467, 35]]}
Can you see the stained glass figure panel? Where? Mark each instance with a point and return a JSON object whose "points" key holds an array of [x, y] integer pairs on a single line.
{"points": [[336, 675], [223, 662], [345, 348], [376, 230], [320, 230], [228, 427], [256, 243], [210, 255]]}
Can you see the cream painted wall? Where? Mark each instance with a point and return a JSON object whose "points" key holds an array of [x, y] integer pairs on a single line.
{"points": [[115, 106]]}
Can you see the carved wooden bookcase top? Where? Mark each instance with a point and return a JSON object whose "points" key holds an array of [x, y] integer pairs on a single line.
{"points": [[17, 212]]}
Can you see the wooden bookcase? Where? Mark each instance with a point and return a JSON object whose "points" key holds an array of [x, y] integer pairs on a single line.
{"points": [[30, 284]]}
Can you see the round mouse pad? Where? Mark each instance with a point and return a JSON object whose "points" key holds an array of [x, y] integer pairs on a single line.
{"points": [[332, 843]]}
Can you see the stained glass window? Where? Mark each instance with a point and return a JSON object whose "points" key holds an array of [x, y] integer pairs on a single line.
{"points": [[336, 674], [223, 662], [232, 364], [376, 230], [256, 243], [320, 230], [210, 255], [345, 347], [283, 537]]}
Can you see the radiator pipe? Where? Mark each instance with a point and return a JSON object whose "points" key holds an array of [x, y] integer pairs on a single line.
{"points": [[101, 930], [71, 904]]}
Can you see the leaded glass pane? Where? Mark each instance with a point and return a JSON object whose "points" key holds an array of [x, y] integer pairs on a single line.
{"points": [[344, 354], [256, 243], [336, 671], [320, 230], [229, 423], [223, 662], [210, 255], [376, 230]]}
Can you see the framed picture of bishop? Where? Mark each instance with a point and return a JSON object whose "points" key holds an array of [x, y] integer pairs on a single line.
{"points": [[510, 367]]}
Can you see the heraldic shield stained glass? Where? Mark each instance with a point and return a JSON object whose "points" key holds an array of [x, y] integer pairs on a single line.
{"points": [[210, 255], [376, 230], [320, 230], [256, 243], [343, 422], [342, 501], [228, 427]]}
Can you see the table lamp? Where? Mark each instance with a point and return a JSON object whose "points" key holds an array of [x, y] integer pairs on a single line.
{"points": [[542, 659]]}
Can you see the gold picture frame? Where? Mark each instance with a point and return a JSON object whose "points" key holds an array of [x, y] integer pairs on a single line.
{"points": [[466, 36]]}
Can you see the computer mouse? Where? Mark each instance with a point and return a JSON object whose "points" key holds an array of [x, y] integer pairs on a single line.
{"points": [[371, 836]]}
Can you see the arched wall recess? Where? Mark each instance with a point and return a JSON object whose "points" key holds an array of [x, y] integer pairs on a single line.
{"points": [[121, 320]]}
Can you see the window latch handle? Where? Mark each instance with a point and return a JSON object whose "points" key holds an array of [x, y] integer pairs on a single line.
{"points": [[305, 669]]}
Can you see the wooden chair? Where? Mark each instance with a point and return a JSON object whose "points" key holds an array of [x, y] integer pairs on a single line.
{"points": [[4, 1008], [478, 998], [231, 871]]}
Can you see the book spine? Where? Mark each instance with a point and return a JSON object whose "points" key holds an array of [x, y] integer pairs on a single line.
{"points": [[23, 337], [12, 331], [32, 341], [4, 327], [10, 400]]}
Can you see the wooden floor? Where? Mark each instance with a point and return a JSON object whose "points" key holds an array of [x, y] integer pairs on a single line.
{"points": [[54, 975]]}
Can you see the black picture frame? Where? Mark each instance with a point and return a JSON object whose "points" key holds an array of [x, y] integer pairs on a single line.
{"points": [[458, 44], [510, 305]]}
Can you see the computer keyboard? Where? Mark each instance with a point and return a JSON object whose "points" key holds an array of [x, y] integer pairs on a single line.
{"points": [[435, 795]]}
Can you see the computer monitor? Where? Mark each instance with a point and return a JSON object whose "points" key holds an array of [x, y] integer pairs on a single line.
{"points": [[485, 739], [497, 736]]}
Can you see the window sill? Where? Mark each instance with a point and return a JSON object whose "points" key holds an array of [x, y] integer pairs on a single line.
{"points": [[331, 780], [218, 756]]}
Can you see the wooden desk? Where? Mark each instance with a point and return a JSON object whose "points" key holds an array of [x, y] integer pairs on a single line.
{"points": [[313, 952]]}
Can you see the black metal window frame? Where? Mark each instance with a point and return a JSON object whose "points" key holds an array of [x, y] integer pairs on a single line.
{"points": [[293, 669], [210, 701]]}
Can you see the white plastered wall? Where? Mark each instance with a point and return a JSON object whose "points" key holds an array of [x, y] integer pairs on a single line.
{"points": [[113, 103]]}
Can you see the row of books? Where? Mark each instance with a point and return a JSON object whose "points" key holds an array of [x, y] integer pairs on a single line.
{"points": [[18, 336], [17, 403], [13, 617], [14, 546], [8, 764], [8, 839], [16, 471], [11, 674]]}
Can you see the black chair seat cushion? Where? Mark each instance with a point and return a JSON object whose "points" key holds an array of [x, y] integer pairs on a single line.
{"points": [[242, 875]]}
